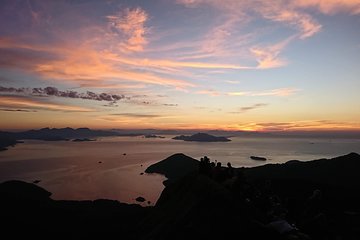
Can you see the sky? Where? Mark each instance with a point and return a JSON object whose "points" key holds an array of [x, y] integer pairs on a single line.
{"points": [[256, 65]]}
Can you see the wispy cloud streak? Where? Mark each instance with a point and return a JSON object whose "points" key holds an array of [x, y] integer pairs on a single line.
{"points": [[252, 107], [21, 102], [280, 92], [300, 125], [330, 6], [16, 110], [137, 115]]}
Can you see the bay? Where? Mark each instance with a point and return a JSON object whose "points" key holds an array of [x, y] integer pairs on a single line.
{"points": [[113, 167]]}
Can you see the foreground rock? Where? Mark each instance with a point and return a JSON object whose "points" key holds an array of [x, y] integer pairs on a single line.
{"points": [[174, 167], [27, 210], [196, 207], [341, 171], [320, 197], [140, 199], [7, 141]]}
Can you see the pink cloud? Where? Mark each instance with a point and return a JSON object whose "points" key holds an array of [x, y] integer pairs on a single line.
{"points": [[277, 11], [210, 92], [282, 92], [131, 23], [279, 92], [282, 12], [172, 64], [331, 6], [268, 57]]}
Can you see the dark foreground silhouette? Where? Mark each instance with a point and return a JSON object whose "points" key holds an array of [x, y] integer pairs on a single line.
{"points": [[7, 141], [296, 200], [174, 167]]}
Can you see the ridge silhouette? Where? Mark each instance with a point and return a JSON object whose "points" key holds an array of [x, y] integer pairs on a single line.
{"points": [[274, 201]]}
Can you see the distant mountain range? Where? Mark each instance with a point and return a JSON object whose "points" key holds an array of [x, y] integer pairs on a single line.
{"points": [[51, 134], [202, 137], [62, 134], [239, 133]]}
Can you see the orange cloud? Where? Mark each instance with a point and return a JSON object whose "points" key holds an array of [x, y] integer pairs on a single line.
{"points": [[20, 102], [96, 70], [212, 93], [83, 65], [166, 64], [84, 59], [239, 93], [268, 57], [305, 125]]}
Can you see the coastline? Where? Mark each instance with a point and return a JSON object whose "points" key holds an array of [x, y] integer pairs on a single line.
{"points": [[193, 193]]}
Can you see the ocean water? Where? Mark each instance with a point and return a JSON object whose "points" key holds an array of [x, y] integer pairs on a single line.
{"points": [[112, 167]]}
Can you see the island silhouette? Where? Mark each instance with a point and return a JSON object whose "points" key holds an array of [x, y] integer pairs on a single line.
{"points": [[83, 140], [201, 137], [296, 200], [153, 136]]}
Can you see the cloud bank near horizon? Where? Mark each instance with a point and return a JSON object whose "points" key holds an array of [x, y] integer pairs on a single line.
{"points": [[53, 91]]}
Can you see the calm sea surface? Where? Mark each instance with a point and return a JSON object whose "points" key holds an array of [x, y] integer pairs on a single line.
{"points": [[111, 167]]}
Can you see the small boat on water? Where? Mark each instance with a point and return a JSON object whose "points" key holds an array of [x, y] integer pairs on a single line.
{"points": [[258, 158]]}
